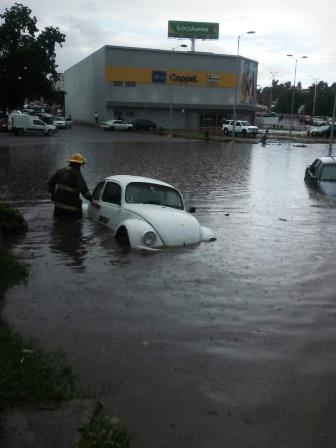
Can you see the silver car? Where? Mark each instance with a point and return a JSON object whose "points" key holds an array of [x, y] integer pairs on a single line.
{"points": [[116, 125], [321, 175]]}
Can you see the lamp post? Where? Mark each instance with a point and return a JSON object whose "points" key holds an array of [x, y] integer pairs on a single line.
{"points": [[314, 101], [237, 84], [171, 93], [271, 95], [292, 106], [332, 126]]}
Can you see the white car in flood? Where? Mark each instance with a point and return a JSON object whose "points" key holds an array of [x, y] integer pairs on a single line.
{"points": [[145, 213]]}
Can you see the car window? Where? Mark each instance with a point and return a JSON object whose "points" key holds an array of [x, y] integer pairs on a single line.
{"points": [[97, 191], [314, 166], [328, 173], [38, 122], [112, 193], [318, 170], [147, 193]]}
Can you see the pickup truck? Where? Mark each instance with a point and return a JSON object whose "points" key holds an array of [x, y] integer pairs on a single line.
{"points": [[242, 127]]}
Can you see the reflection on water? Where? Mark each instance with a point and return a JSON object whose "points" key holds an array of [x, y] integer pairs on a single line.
{"points": [[67, 238], [240, 331]]}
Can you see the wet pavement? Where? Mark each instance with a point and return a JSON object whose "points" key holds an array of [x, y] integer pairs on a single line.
{"points": [[229, 344]]}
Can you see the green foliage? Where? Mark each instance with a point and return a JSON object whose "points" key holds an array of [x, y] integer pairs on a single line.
{"points": [[11, 221], [12, 271], [28, 375], [104, 432], [282, 96], [27, 57]]}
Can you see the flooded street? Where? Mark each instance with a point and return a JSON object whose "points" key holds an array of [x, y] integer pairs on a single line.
{"points": [[228, 344]]}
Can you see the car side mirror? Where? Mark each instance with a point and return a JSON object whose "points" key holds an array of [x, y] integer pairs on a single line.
{"points": [[192, 209]]}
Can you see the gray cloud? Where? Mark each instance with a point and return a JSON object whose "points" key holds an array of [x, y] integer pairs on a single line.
{"points": [[286, 27]]}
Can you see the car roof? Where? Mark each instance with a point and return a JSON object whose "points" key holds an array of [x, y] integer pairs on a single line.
{"points": [[124, 180], [328, 159]]}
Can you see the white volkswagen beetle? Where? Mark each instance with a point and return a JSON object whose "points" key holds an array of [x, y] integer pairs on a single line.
{"points": [[145, 213]]}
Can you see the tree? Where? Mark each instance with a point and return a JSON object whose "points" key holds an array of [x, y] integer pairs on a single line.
{"points": [[27, 57]]}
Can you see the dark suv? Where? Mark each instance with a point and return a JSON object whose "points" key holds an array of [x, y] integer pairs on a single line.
{"points": [[142, 124]]}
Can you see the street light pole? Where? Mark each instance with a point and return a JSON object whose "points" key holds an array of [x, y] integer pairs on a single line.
{"points": [[271, 95], [292, 106], [314, 101], [332, 126], [171, 92], [237, 84]]}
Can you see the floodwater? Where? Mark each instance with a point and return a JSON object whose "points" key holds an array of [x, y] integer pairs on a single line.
{"points": [[229, 344]]}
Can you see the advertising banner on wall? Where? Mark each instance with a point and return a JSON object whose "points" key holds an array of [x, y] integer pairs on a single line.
{"points": [[248, 82], [193, 30]]}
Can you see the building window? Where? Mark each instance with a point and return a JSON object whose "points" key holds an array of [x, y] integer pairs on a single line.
{"points": [[118, 83], [130, 84]]}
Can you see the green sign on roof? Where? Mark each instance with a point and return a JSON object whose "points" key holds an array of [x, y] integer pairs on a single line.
{"points": [[193, 30]]}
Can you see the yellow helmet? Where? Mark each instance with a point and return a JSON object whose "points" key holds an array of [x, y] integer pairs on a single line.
{"points": [[77, 158]]}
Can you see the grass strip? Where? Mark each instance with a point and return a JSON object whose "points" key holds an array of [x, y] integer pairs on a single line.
{"points": [[29, 375], [104, 432]]}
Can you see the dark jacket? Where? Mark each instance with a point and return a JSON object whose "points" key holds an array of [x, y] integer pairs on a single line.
{"points": [[65, 187]]}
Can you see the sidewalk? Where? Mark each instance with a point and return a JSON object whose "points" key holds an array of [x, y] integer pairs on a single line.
{"points": [[49, 427]]}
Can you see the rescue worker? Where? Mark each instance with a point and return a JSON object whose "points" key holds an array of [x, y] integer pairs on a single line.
{"points": [[65, 187]]}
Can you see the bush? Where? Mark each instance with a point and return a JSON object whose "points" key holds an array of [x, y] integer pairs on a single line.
{"points": [[11, 221], [104, 432]]}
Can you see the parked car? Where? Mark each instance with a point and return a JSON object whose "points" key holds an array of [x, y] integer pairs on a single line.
{"points": [[145, 213], [143, 124], [61, 123], [320, 131], [116, 125], [4, 124], [242, 127], [22, 124], [321, 175]]}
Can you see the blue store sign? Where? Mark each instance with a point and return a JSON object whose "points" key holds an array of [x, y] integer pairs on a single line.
{"points": [[158, 76]]}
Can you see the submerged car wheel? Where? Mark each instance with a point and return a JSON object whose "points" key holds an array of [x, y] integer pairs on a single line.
{"points": [[122, 237], [225, 131], [244, 132]]}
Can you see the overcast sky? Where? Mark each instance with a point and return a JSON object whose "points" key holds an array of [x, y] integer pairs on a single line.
{"points": [[302, 28]]}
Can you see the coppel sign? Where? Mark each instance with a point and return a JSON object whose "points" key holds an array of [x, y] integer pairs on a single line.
{"points": [[193, 30], [183, 78]]}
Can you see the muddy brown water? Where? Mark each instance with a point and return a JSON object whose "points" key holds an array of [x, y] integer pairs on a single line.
{"points": [[229, 344]]}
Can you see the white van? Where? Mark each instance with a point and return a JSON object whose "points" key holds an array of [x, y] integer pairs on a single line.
{"points": [[22, 124]]}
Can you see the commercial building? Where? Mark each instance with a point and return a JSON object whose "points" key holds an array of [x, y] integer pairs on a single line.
{"points": [[181, 89]]}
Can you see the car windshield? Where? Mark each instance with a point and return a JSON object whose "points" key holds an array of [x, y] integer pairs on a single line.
{"points": [[328, 173], [245, 123], [147, 193]]}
